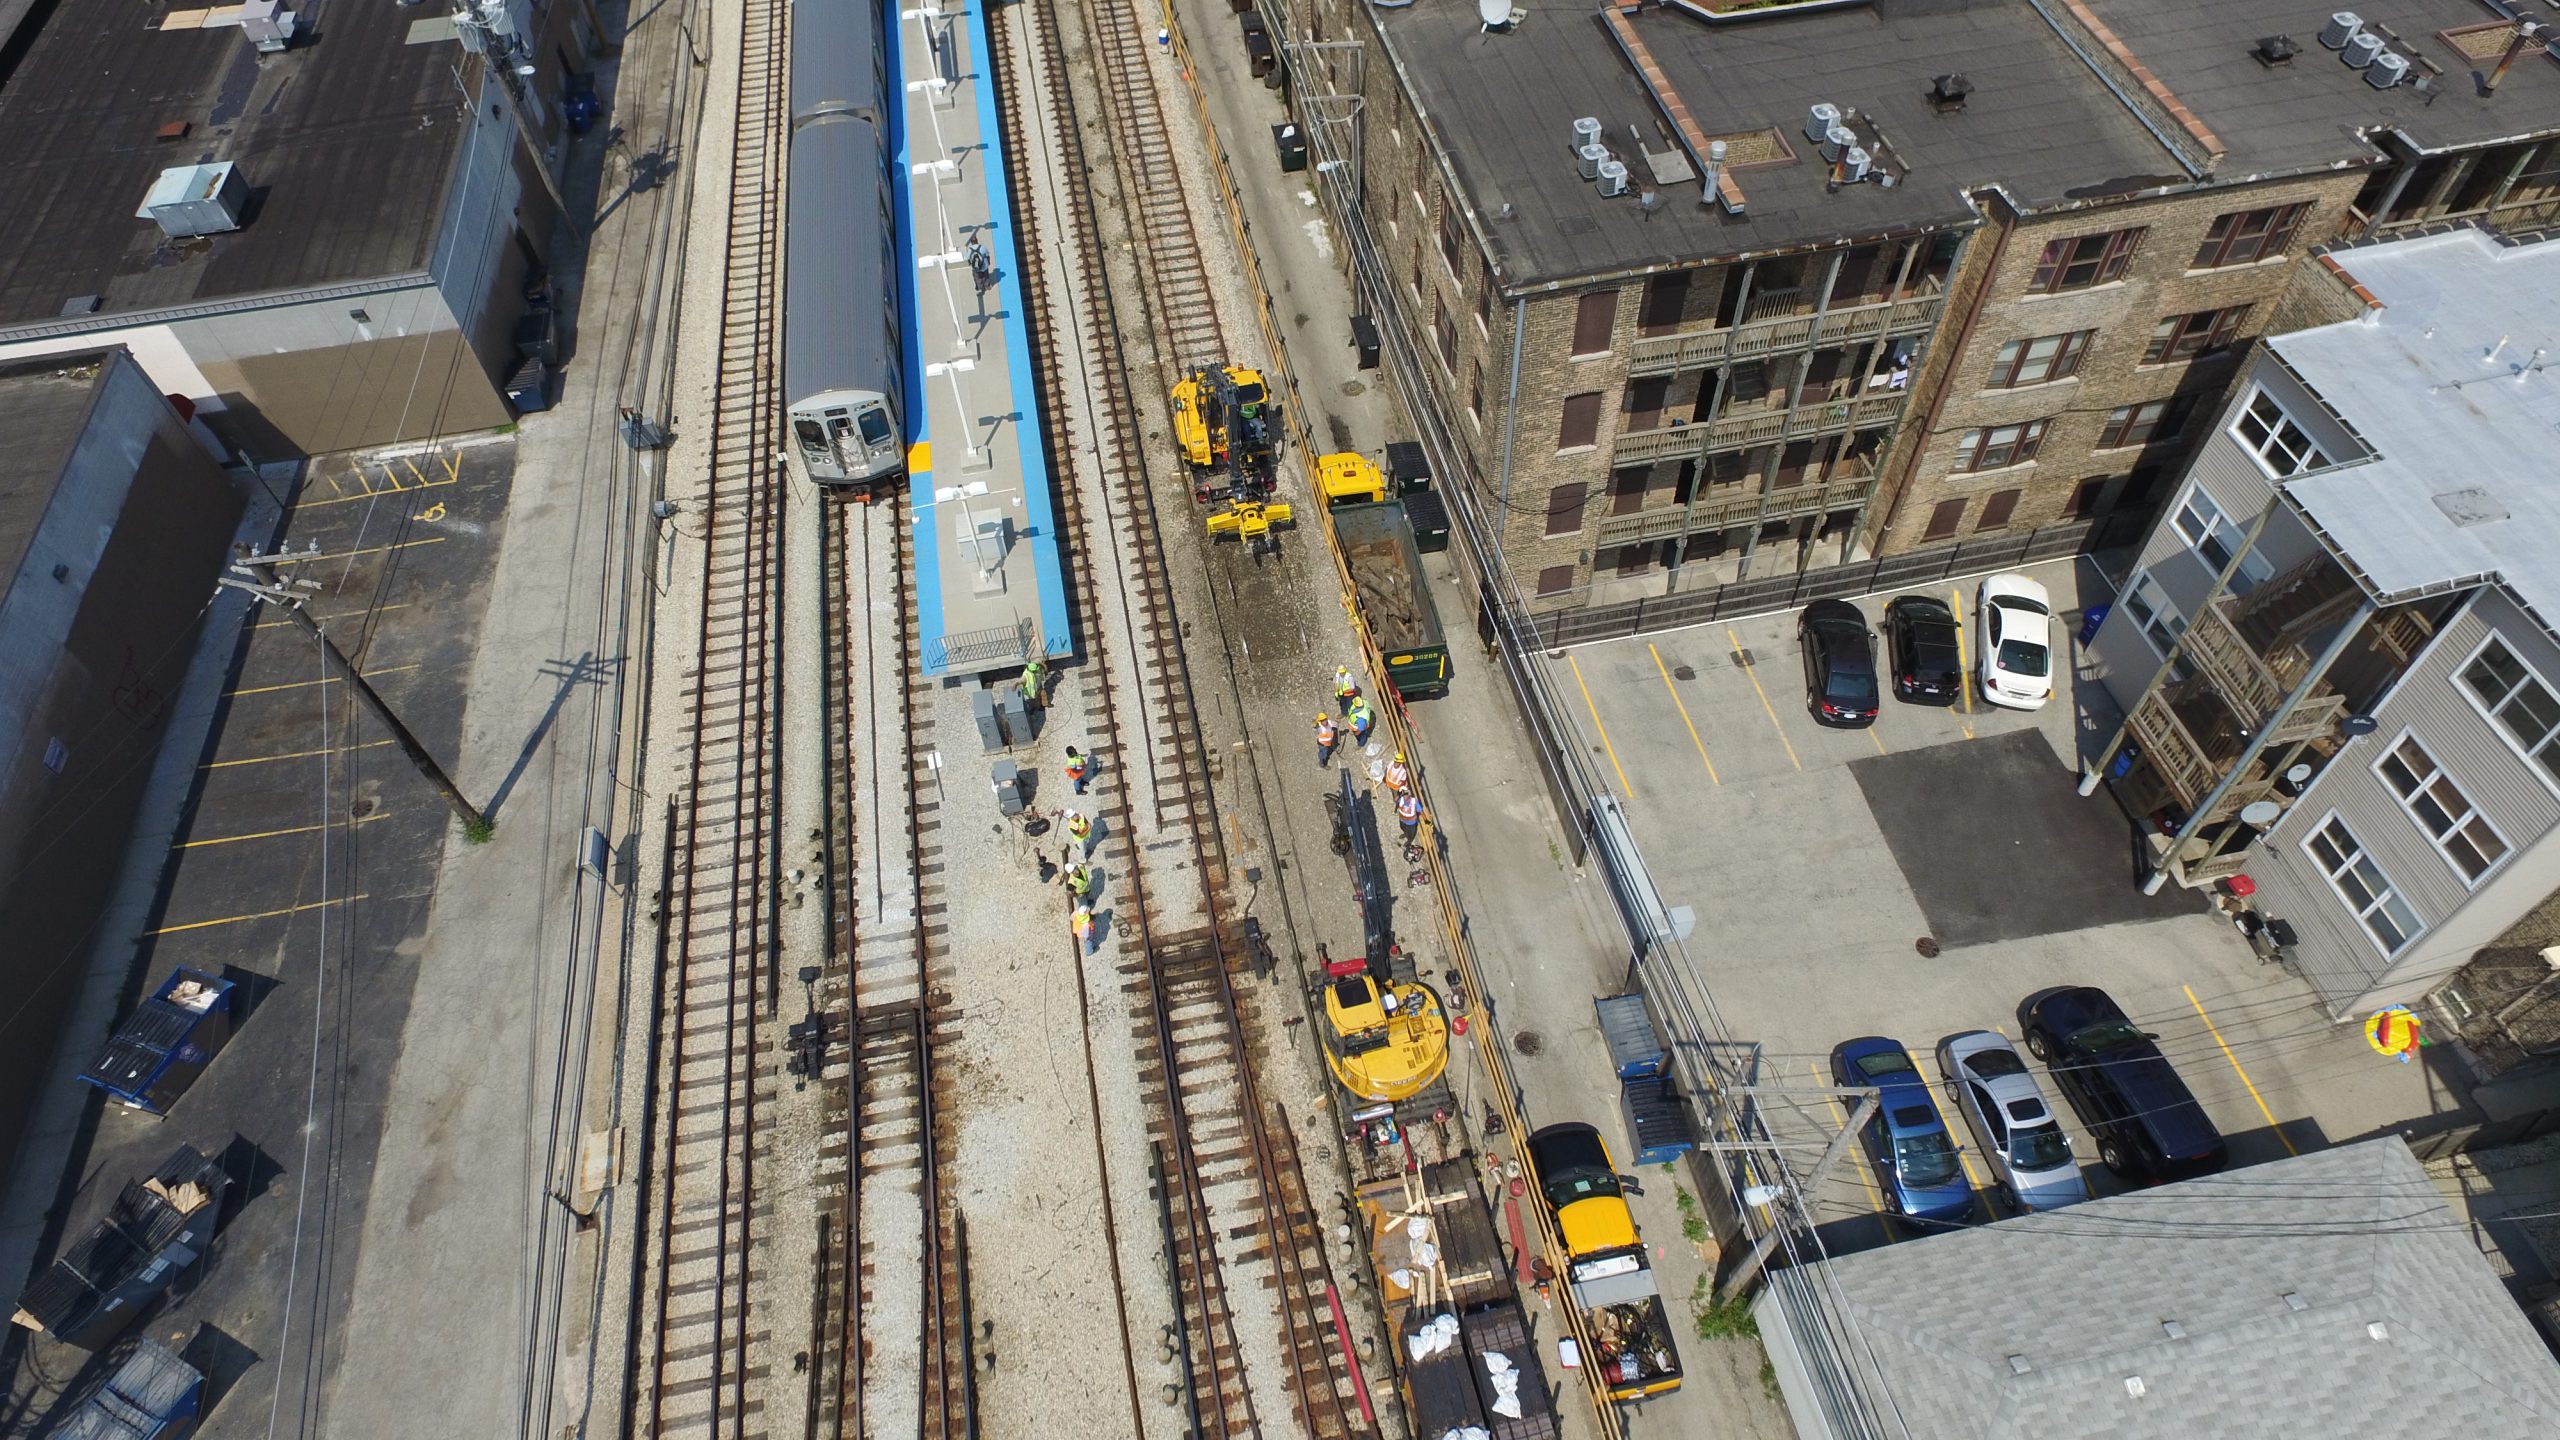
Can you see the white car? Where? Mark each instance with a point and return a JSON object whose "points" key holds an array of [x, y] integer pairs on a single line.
{"points": [[2016, 1131], [2017, 642]]}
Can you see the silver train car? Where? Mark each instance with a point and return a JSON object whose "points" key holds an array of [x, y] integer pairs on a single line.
{"points": [[843, 363]]}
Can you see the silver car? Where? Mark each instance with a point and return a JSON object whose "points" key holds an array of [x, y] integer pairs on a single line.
{"points": [[1989, 1082]]}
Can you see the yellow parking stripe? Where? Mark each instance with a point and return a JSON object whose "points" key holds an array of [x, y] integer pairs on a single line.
{"points": [[345, 499], [274, 834], [255, 915], [290, 755], [1964, 669], [1660, 669], [1623, 787], [2216, 1032], [332, 680], [1872, 735], [1764, 696], [331, 619], [1952, 1117]]}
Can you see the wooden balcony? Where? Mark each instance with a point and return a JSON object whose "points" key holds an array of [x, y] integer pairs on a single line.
{"points": [[1733, 506], [2190, 771], [1740, 428], [1786, 325]]}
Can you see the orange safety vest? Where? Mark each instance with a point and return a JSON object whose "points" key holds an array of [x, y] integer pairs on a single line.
{"points": [[1079, 827], [1397, 777], [1409, 809], [1075, 768]]}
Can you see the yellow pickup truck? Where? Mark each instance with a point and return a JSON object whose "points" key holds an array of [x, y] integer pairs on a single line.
{"points": [[1607, 1271]]}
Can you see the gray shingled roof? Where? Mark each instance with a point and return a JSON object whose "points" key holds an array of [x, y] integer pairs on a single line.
{"points": [[2275, 1274]]}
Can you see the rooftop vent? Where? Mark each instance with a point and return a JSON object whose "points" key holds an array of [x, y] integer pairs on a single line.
{"points": [[2386, 70], [2361, 48], [2342, 27], [2018, 1365], [2467, 508], [196, 200], [2293, 1301], [1947, 92], [2173, 1329], [2275, 50]]}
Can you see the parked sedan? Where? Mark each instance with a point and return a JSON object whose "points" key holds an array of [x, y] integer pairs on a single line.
{"points": [[1915, 1159], [2017, 642], [1920, 635], [2010, 1122], [2148, 1125], [1839, 664]]}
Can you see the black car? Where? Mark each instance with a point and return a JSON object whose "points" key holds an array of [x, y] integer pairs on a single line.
{"points": [[1920, 635], [1839, 663], [2149, 1126]]}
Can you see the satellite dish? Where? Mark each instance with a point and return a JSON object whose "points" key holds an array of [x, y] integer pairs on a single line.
{"points": [[1494, 13], [2355, 725], [2259, 814]]}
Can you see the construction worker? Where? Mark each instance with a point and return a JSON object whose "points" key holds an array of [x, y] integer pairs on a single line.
{"points": [[1399, 779], [1080, 831], [1326, 737], [1079, 769], [1079, 882], [1035, 678], [1084, 926], [1361, 720], [1409, 814], [1346, 687]]}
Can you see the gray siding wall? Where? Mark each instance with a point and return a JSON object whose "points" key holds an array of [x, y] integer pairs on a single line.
{"points": [[2337, 954]]}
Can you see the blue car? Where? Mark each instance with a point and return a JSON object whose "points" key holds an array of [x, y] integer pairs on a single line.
{"points": [[1915, 1159]]}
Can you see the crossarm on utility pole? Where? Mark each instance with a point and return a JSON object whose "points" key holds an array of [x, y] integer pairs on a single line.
{"points": [[1753, 1263], [271, 589]]}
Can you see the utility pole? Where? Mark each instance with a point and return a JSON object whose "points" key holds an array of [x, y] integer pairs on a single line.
{"points": [[1752, 1264], [272, 589]]}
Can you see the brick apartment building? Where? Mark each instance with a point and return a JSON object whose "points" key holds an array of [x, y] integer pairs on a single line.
{"points": [[1984, 305]]}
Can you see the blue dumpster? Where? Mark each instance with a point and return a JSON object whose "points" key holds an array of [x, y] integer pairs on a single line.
{"points": [[165, 1044], [153, 1395]]}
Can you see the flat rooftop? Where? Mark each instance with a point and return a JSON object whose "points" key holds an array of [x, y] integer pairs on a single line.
{"points": [[43, 408], [2309, 112], [2455, 383], [345, 141], [2037, 121]]}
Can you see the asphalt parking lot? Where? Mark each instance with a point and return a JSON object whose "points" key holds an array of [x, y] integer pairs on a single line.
{"points": [[1921, 877], [303, 872]]}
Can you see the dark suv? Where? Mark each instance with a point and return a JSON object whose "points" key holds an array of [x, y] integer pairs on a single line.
{"points": [[1839, 663], [2149, 1127]]}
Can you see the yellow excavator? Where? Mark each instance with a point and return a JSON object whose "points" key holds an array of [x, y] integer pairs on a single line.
{"points": [[1252, 521], [1385, 1033], [1223, 422]]}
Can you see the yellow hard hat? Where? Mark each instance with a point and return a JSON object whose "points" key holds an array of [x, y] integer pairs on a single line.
{"points": [[1399, 755]]}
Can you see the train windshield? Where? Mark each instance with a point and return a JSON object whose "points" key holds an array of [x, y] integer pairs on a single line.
{"points": [[811, 437], [875, 426]]}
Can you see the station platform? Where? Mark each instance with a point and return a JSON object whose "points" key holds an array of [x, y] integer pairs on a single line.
{"points": [[990, 593]]}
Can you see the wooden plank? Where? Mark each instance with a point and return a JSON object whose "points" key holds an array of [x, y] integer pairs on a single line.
{"points": [[1693, 137]]}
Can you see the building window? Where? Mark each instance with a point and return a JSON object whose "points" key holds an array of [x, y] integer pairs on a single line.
{"points": [[2184, 337], [2033, 362], [1997, 509], [2364, 887], [1484, 305], [2084, 498], [2157, 619], [1475, 396], [1555, 580], [1594, 316], [1626, 490], [2000, 445], [1666, 299], [2086, 260], [2281, 446], [1395, 207], [1564, 507], [2470, 844], [1581, 425], [2246, 235], [2215, 539], [1944, 519], [1452, 248], [1444, 328], [2518, 700], [2129, 425]]}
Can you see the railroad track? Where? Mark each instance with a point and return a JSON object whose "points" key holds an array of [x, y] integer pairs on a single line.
{"points": [[702, 1341], [904, 1250], [1227, 1173]]}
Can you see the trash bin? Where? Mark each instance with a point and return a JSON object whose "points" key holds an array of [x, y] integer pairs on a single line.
{"points": [[1291, 142], [1407, 470], [2090, 620], [1260, 58], [1429, 517], [1364, 338], [529, 388]]}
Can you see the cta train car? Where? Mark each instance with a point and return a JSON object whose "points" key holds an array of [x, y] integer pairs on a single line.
{"points": [[843, 366]]}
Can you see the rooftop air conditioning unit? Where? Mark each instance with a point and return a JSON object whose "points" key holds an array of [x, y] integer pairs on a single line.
{"points": [[1818, 125], [190, 200], [2386, 70], [2361, 48], [2342, 27], [1613, 177], [267, 25]]}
